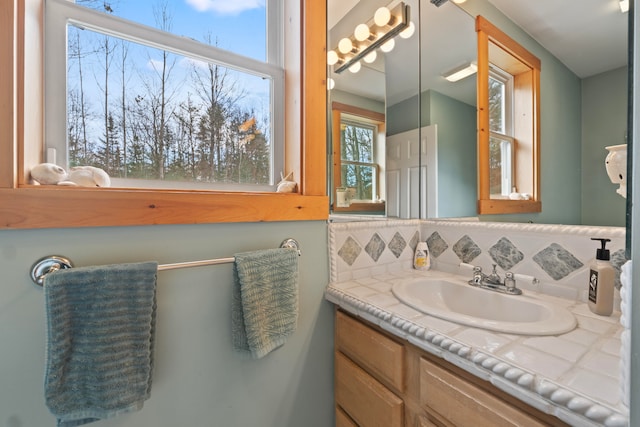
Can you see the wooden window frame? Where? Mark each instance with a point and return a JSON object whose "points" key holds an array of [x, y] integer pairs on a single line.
{"points": [[525, 67], [24, 206]]}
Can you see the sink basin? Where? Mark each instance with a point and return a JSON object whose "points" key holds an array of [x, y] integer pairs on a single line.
{"points": [[456, 301]]}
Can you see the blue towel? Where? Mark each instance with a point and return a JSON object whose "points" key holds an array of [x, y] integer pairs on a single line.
{"points": [[100, 341], [264, 310]]}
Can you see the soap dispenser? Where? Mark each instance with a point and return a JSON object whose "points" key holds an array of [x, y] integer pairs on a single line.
{"points": [[601, 281], [421, 259]]}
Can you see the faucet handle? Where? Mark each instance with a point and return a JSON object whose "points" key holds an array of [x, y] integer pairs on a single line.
{"points": [[509, 280], [478, 275]]}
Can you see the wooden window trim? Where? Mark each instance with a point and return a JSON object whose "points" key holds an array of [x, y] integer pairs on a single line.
{"points": [[29, 206], [513, 55]]}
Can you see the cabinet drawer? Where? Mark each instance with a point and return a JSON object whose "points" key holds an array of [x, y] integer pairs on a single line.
{"points": [[365, 400], [465, 404], [379, 355]]}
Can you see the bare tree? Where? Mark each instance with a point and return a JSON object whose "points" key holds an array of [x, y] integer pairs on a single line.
{"points": [[123, 104], [219, 92], [79, 103]]}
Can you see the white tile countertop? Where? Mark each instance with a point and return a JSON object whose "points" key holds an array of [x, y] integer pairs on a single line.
{"points": [[574, 376]]}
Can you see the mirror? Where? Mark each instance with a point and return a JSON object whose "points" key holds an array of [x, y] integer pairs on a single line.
{"points": [[581, 112]]}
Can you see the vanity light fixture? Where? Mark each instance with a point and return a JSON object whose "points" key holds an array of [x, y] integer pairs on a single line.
{"points": [[624, 6], [460, 72], [377, 33]]}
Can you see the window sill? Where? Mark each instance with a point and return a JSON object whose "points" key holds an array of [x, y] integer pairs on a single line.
{"points": [[58, 207], [494, 206], [362, 207]]}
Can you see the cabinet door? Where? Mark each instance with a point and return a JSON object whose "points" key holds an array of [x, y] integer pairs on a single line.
{"points": [[342, 419], [365, 400], [464, 404], [377, 354]]}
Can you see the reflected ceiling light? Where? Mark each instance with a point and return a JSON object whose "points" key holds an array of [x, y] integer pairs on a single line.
{"points": [[408, 32], [624, 6], [363, 33], [382, 16], [332, 57], [331, 83], [459, 1], [388, 23], [370, 57], [388, 46], [345, 45], [459, 73], [355, 67]]}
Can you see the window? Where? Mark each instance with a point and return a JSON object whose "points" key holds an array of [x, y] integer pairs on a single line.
{"points": [[501, 140], [148, 98], [23, 205], [358, 170], [508, 124]]}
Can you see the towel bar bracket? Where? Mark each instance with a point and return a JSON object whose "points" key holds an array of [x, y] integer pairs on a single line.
{"points": [[47, 265], [52, 263], [291, 244]]}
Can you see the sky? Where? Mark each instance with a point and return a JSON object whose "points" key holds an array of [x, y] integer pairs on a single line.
{"points": [[237, 25]]}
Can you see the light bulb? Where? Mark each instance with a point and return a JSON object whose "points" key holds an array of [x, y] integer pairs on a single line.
{"points": [[331, 83], [382, 17], [332, 57], [371, 56], [388, 46], [345, 45], [624, 6], [408, 32], [355, 67], [362, 32]]}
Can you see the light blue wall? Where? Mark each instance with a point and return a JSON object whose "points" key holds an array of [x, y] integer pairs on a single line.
{"points": [[457, 165], [198, 380], [604, 122], [405, 115]]}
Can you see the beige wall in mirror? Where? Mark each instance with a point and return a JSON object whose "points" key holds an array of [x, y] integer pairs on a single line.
{"points": [[582, 111]]}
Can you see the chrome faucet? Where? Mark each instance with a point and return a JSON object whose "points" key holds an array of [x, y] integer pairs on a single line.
{"points": [[493, 281]]}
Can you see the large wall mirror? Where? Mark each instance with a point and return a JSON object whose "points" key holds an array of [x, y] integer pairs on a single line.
{"points": [[424, 158]]}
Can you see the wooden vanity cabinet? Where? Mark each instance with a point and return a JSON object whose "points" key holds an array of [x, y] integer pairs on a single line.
{"points": [[381, 380], [369, 376]]}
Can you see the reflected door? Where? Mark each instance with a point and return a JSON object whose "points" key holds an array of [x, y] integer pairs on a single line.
{"points": [[411, 173]]}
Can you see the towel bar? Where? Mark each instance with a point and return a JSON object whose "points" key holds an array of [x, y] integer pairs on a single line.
{"points": [[52, 263]]}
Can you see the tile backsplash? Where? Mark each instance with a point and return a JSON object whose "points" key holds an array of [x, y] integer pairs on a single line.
{"points": [[553, 259]]}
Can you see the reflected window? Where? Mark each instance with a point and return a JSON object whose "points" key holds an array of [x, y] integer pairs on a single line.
{"points": [[501, 140], [508, 124], [359, 173]]}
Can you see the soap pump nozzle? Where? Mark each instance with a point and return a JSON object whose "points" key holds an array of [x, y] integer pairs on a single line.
{"points": [[603, 252]]}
